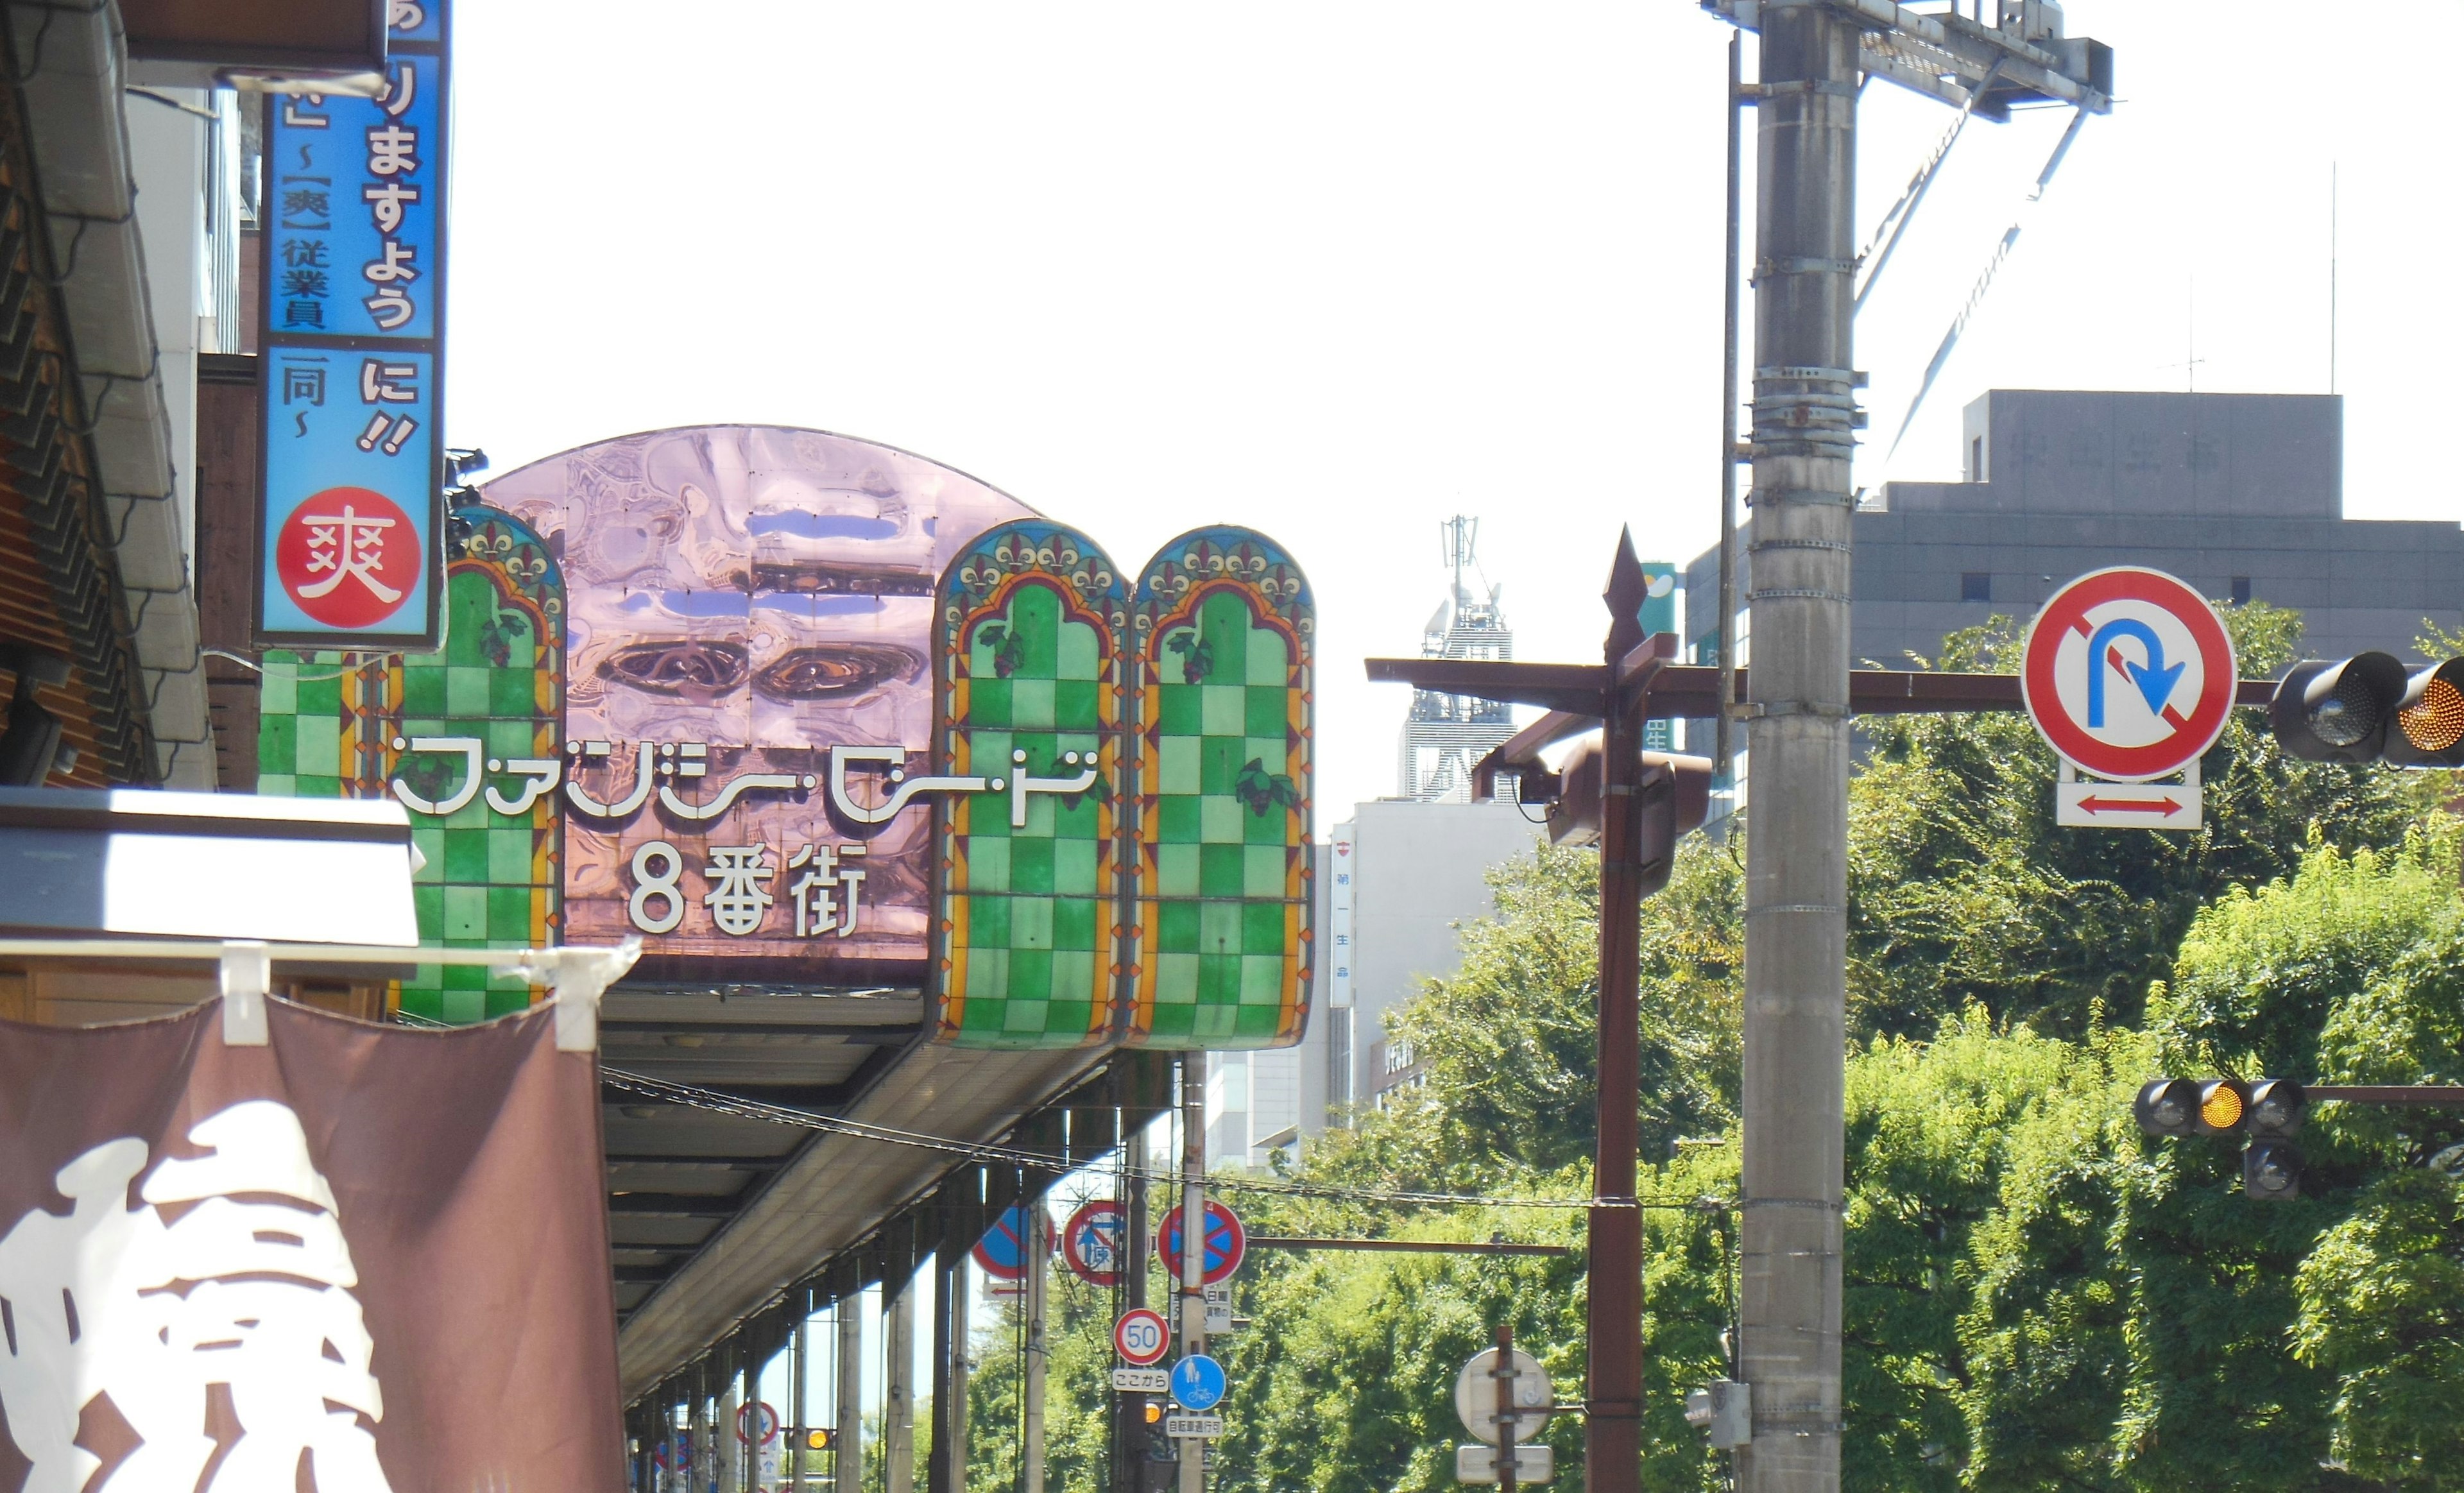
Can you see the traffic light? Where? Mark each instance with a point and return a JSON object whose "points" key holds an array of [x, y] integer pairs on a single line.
{"points": [[818, 1439], [2268, 1112], [2369, 708], [1672, 798]]}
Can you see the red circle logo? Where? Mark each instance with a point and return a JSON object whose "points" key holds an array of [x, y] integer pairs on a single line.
{"points": [[2128, 673], [349, 557]]}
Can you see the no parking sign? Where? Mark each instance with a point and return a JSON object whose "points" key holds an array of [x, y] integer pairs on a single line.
{"points": [[2129, 675]]}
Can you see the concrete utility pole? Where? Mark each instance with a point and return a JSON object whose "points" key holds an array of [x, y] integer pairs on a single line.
{"points": [[1797, 740], [1039, 1251], [1193, 1241]]}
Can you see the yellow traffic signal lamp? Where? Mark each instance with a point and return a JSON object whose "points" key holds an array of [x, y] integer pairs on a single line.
{"points": [[1155, 1413], [2223, 1104], [818, 1439], [2429, 730]]}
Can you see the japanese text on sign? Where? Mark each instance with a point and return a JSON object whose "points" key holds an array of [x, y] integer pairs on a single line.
{"points": [[351, 327]]}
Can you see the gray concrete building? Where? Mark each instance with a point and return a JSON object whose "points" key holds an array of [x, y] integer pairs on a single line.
{"points": [[2239, 494], [1416, 870]]}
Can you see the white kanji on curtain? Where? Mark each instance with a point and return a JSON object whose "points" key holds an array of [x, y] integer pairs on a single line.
{"points": [[247, 1287]]}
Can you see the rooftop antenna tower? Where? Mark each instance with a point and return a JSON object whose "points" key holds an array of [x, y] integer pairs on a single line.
{"points": [[1446, 734]]}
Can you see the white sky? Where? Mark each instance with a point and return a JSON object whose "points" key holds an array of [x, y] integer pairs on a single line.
{"points": [[1339, 271]]}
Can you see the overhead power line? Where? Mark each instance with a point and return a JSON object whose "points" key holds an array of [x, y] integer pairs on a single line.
{"points": [[741, 1107]]}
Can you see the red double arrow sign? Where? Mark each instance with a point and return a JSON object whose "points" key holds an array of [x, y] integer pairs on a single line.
{"points": [[2166, 807]]}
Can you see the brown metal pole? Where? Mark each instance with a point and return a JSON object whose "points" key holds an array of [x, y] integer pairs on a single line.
{"points": [[1502, 1380], [1612, 1457]]}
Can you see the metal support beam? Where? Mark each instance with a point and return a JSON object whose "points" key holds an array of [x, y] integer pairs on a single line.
{"points": [[1797, 891], [898, 1391], [946, 1465]]}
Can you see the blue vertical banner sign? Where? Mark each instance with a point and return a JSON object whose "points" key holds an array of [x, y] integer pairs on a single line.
{"points": [[351, 355]]}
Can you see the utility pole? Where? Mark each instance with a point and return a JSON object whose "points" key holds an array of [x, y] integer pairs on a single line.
{"points": [[1039, 1251], [1193, 1241], [1815, 54], [1796, 739]]}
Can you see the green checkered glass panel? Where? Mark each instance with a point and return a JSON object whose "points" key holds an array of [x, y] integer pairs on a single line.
{"points": [[1028, 914], [1223, 820]]}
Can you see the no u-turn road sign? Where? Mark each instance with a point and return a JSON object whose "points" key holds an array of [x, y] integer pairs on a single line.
{"points": [[2129, 675]]}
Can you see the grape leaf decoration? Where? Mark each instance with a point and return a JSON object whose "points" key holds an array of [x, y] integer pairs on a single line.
{"points": [[1197, 657], [1009, 649], [1262, 790]]}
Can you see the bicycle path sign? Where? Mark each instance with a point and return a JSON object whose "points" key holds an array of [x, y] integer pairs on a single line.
{"points": [[2129, 675]]}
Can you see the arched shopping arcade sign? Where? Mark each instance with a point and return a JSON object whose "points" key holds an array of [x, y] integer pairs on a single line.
{"points": [[795, 708]]}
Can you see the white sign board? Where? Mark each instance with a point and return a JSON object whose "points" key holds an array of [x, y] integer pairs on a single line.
{"points": [[1193, 1427], [1219, 1308], [1142, 1381], [1477, 1463], [1475, 1395], [2085, 803]]}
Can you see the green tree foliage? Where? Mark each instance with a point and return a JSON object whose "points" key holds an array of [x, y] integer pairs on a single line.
{"points": [[2037, 1297], [1962, 890]]}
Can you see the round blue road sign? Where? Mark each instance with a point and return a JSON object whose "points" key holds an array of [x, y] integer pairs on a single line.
{"points": [[1002, 1250], [1228, 1243], [1198, 1383]]}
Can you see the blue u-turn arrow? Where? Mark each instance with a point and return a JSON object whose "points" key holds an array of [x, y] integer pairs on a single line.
{"points": [[2155, 681]]}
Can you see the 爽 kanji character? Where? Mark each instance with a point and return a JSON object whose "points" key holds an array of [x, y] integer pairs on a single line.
{"points": [[389, 150], [737, 900], [385, 201], [827, 894], [350, 546]]}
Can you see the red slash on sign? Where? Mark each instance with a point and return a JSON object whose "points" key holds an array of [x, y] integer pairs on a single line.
{"points": [[2167, 807]]}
